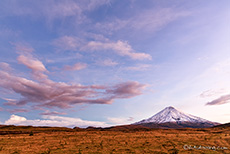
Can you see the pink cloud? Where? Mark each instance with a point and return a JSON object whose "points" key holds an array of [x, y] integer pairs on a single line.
{"points": [[97, 87], [139, 67], [55, 94], [52, 10], [121, 48], [92, 4], [47, 93], [211, 93], [17, 110], [66, 43], [43, 92], [126, 89], [35, 65], [221, 100], [49, 10], [149, 21], [23, 47], [75, 67], [156, 19], [31, 63], [5, 66], [108, 62], [52, 113]]}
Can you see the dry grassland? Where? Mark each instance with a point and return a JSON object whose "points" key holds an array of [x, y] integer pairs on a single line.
{"points": [[154, 141]]}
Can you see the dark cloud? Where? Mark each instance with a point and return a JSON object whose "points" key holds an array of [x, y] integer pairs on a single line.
{"points": [[221, 100]]}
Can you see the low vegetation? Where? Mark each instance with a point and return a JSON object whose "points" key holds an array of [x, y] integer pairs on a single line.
{"points": [[50, 140]]}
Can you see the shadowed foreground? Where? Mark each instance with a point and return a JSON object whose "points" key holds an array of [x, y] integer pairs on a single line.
{"points": [[64, 140]]}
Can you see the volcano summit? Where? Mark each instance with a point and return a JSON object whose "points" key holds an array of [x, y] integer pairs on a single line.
{"points": [[173, 118]]}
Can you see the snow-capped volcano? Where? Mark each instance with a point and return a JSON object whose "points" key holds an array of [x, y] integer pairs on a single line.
{"points": [[172, 115]]}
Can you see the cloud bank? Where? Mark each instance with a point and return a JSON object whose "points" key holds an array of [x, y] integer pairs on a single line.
{"points": [[49, 120], [53, 119]]}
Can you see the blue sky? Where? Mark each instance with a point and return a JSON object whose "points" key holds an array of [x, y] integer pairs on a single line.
{"points": [[109, 62]]}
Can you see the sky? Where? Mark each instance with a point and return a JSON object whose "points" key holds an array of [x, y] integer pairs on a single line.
{"points": [[112, 62]]}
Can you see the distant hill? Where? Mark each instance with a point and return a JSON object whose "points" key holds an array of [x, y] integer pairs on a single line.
{"points": [[227, 125], [11, 129]]}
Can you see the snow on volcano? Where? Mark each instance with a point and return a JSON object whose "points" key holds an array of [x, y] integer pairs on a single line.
{"points": [[170, 114]]}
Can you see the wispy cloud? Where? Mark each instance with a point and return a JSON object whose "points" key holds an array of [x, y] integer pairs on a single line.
{"points": [[34, 64], [139, 67], [52, 10], [66, 43], [47, 112], [122, 48], [221, 100], [126, 90], [47, 9], [66, 59], [49, 120], [23, 47], [75, 67], [92, 4], [155, 19], [146, 21], [17, 110], [31, 63], [5, 66], [107, 62], [211, 93]]}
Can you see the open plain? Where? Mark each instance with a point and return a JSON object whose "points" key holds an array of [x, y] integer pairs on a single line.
{"points": [[51, 140]]}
